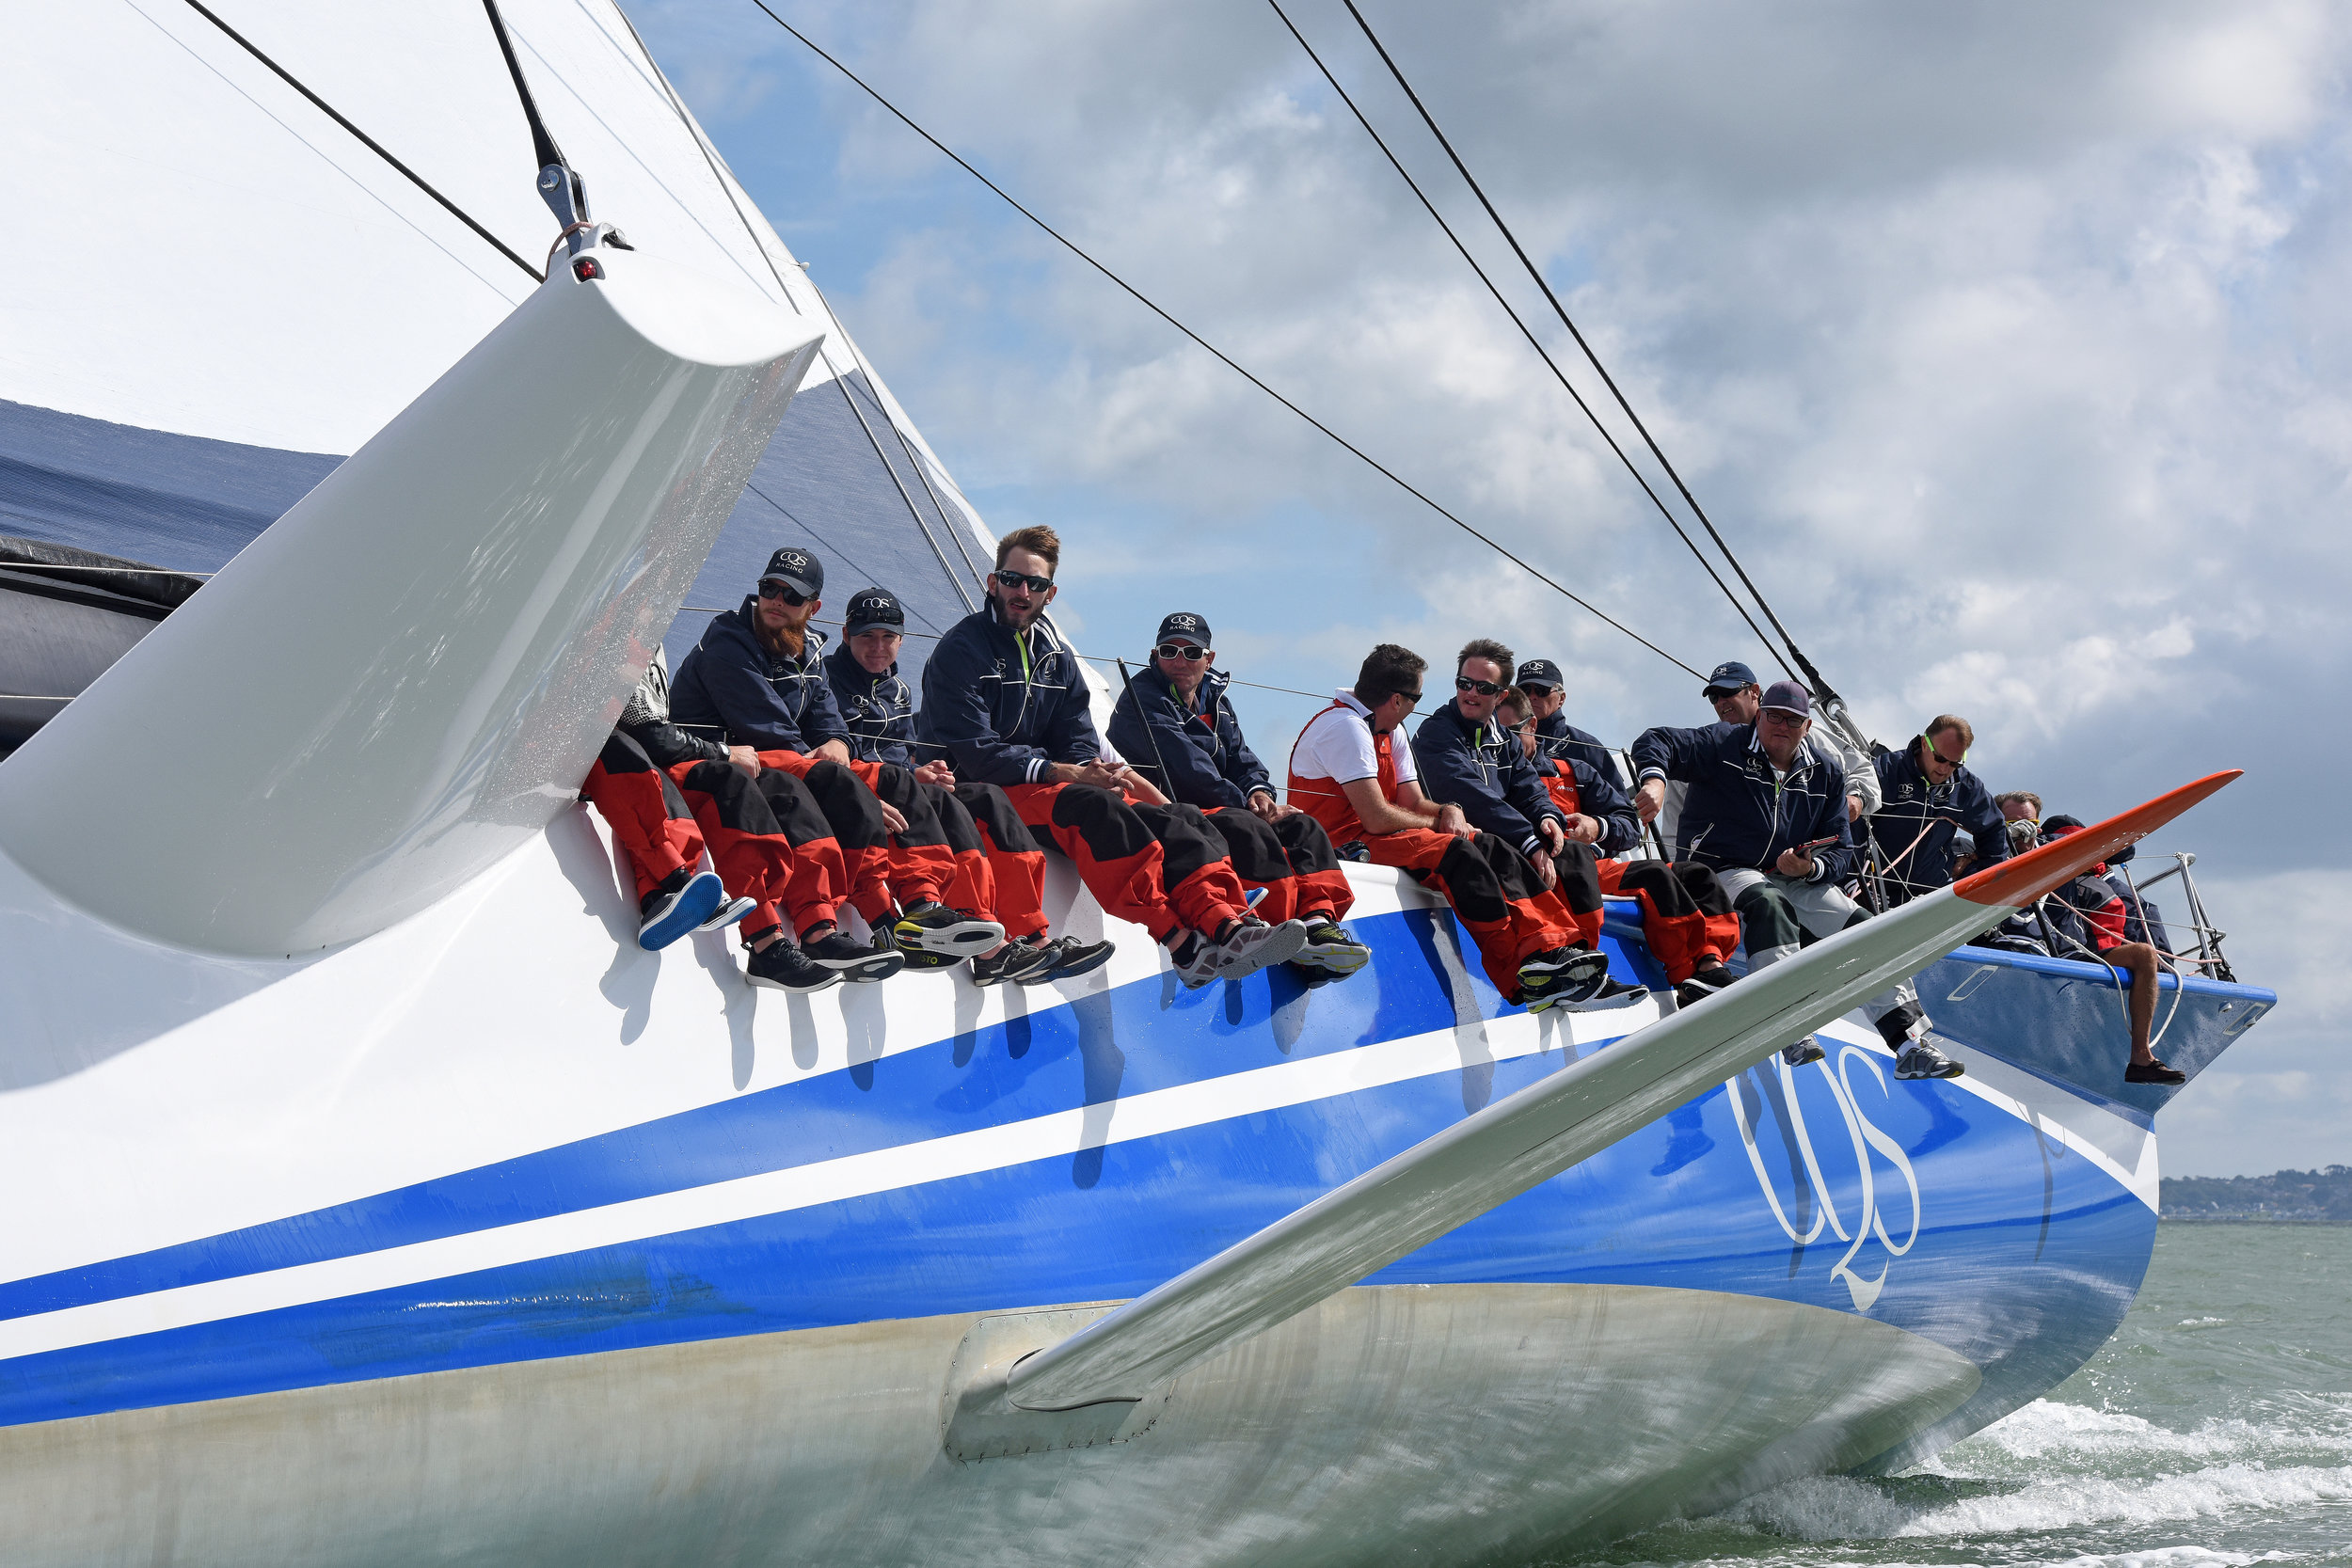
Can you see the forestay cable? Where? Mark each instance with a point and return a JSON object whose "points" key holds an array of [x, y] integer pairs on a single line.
{"points": [[1224, 358]]}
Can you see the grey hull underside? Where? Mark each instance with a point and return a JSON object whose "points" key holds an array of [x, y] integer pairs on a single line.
{"points": [[1451, 1424]]}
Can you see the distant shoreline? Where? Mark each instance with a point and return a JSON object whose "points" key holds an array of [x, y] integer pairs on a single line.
{"points": [[2289, 1198], [2273, 1221]]}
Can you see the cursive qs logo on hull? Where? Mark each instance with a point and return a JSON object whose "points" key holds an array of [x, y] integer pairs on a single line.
{"points": [[1867, 1139]]}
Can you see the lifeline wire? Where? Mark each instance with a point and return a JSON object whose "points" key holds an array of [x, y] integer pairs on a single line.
{"points": [[1819, 685], [1223, 358], [370, 142], [1413, 185]]}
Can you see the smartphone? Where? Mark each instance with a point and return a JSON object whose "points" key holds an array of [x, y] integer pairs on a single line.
{"points": [[1817, 844]]}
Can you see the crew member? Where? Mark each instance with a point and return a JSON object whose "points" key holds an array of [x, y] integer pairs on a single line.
{"points": [[999, 866], [1555, 737], [1005, 697], [1731, 691], [2102, 910], [1465, 758], [1766, 808], [1348, 773], [755, 679], [1173, 724], [1928, 796]]}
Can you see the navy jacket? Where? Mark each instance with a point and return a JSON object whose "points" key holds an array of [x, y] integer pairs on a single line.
{"points": [[1556, 737], [1914, 806], [767, 701], [1604, 802], [1000, 718], [1482, 769], [1735, 813], [1203, 748], [877, 711]]}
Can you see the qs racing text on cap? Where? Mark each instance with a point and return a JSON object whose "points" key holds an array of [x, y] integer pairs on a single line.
{"points": [[797, 570], [874, 607], [1186, 627], [1728, 676]]}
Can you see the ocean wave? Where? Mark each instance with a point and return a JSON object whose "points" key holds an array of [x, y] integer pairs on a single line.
{"points": [[1835, 1508], [2092, 1439]]}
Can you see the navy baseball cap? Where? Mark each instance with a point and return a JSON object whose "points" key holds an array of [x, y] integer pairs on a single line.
{"points": [[1184, 626], [1786, 697], [1539, 674], [1730, 675], [798, 570], [874, 607]]}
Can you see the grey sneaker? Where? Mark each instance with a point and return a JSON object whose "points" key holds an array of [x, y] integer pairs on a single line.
{"points": [[1921, 1060], [1798, 1053], [1195, 961], [1253, 944], [727, 913]]}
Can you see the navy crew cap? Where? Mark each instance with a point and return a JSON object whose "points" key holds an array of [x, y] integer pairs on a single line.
{"points": [[798, 570], [874, 607], [1788, 697], [1730, 675], [1539, 674], [1184, 626]]}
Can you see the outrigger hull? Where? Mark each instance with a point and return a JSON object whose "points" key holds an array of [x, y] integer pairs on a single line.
{"points": [[493, 1238]]}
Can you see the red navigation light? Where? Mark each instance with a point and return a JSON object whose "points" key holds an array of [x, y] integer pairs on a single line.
{"points": [[586, 268]]}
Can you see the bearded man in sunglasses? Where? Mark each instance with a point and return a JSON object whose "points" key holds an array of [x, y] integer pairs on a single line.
{"points": [[1173, 724], [1927, 796], [1005, 699]]}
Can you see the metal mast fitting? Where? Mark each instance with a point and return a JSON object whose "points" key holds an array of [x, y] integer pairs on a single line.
{"points": [[560, 185]]}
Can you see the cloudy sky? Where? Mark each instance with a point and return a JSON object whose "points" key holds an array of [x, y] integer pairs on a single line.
{"points": [[2006, 343]]}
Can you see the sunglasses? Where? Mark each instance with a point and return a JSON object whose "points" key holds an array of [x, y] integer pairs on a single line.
{"points": [[778, 591], [1412, 700], [1181, 650], [1021, 579], [1485, 688], [1949, 762]]}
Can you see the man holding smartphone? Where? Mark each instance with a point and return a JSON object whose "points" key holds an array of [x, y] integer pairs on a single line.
{"points": [[1766, 810]]}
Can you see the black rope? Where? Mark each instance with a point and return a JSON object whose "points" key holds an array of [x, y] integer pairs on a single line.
{"points": [[370, 142], [543, 145], [1821, 686], [1525, 331], [1224, 358]]}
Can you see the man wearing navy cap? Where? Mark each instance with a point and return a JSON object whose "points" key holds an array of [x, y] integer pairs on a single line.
{"points": [[1174, 725], [1766, 811], [755, 679], [1555, 737]]}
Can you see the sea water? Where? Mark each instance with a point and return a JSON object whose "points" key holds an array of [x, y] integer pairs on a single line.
{"points": [[2213, 1430]]}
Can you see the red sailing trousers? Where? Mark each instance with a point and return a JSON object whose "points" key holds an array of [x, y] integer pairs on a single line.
{"points": [[1685, 915], [1159, 867], [1005, 873], [770, 843], [651, 824], [1291, 859]]}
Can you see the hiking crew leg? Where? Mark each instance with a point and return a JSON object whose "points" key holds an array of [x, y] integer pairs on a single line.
{"points": [[1014, 858], [1199, 878], [856, 819], [649, 821], [1775, 909], [1323, 887], [1258, 861], [1672, 922], [1508, 925], [922, 862], [754, 853], [1706, 891], [972, 885], [1764, 914], [1116, 856], [1578, 888]]}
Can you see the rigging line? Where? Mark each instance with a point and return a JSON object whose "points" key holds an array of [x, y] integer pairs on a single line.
{"points": [[1558, 374], [710, 158], [1361, 455], [873, 393], [370, 142], [1561, 310]]}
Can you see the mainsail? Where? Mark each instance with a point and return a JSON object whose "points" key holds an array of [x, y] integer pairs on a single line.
{"points": [[217, 292]]}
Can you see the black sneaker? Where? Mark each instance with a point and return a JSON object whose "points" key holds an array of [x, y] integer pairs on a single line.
{"points": [[1075, 957], [1330, 950], [1564, 975], [730, 911], [781, 966], [855, 961], [1708, 978], [1017, 962], [916, 958], [933, 927], [2154, 1073]]}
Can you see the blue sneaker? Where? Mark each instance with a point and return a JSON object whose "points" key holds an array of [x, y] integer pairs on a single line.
{"points": [[684, 900]]}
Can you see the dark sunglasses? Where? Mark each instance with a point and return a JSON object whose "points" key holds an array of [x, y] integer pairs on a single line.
{"points": [[1180, 650], [1949, 762], [1412, 700], [1018, 579], [778, 591], [1485, 688]]}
